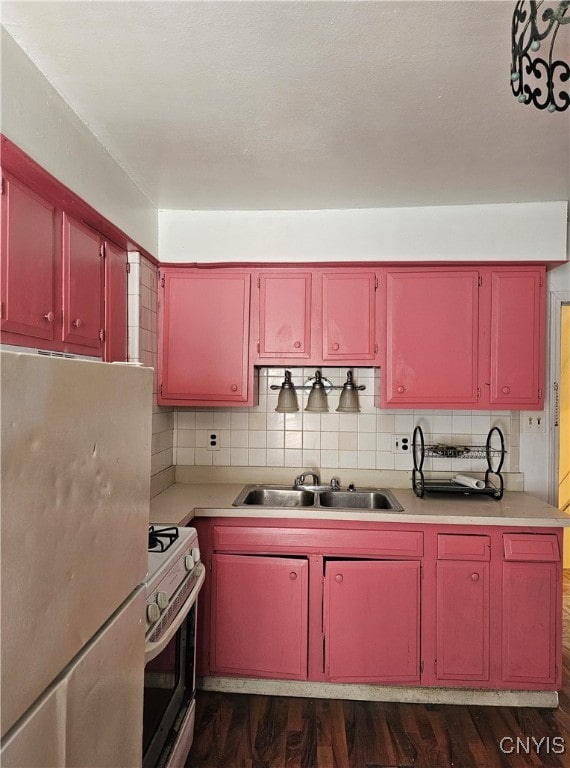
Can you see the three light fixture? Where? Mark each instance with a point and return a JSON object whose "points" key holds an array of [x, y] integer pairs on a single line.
{"points": [[534, 79], [317, 400]]}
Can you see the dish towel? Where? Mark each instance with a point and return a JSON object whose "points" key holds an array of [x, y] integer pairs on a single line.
{"points": [[470, 482]]}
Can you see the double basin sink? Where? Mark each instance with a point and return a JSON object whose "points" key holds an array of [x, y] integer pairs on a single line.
{"points": [[287, 496]]}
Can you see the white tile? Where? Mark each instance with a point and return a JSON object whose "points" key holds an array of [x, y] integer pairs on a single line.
{"points": [[385, 422], [203, 457], [404, 423], [294, 421], [293, 457], [384, 442], [275, 420], [480, 423], [185, 419], [202, 437], [204, 419], [239, 438], [442, 423], [329, 441], [366, 441], [366, 459], [258, 438], [461, 424], [275, 439], [366, 422], [222, 419], [162, 421], [330, 422], [329, 458], [275, 457], [348, 422], [222, 458], [257, 421], [257, 457], [239, 419], [239, 457], [293, 440], [385, 459], [311, 458], [348, 441], [311, 421], [348, 459], [366, 402], [403, 461], [185, 438], [311, 440]]}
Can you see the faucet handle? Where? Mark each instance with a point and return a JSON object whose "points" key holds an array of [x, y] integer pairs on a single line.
{"points": [[335, 484]]}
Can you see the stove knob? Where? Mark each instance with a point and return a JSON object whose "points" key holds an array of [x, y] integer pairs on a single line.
{"points": [[196, 554], [152, 612], [189, 562], [162, 600]]}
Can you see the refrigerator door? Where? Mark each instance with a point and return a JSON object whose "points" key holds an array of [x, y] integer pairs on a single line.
{"points": [[75, 506], [91, 716]]}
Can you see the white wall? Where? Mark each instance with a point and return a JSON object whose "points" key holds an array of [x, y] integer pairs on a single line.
{"points": [[38, 121], [537, 450], [507, 232]]}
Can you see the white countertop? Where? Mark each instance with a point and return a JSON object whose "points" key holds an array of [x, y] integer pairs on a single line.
{"points": [[179, 503]]}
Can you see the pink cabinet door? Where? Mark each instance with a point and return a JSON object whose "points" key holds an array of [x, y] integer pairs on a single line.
{"points": [[285, 315], [531, 614], [205, 337], [462, 620], [432, 337], [259, 621], [372, 620], [349, 316], [28, 252], [115, 303], [82, 284], [517, 337]]}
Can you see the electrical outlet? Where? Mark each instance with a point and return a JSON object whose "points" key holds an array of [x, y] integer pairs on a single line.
{"points": [[401, 444], [213, 443], [533, 422]]}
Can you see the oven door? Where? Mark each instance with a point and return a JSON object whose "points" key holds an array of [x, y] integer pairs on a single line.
{"points": [[169, 688]]}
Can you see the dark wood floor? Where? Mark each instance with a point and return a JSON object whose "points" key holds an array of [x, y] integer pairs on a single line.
{"points": [[240, 731]]}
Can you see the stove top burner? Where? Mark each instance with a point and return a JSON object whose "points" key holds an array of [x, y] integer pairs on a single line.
{"points": [[160, 539]]}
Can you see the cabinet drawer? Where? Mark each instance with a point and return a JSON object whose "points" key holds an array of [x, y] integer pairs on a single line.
{"points": [[531, 547], [325, 540], [463, 547]]}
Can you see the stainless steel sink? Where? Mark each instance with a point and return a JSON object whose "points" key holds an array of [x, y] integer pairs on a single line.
{"points": [[274, 496], [364, 498], [286, 496]]}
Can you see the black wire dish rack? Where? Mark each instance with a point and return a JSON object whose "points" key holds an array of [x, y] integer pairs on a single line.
{"points": [[493, 451]]}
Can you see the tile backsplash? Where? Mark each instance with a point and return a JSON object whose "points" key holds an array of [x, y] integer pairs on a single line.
{"points": [[258, 436]]}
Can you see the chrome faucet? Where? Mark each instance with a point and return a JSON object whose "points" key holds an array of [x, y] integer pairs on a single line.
{"points": [[335, 484], [300, 480]]}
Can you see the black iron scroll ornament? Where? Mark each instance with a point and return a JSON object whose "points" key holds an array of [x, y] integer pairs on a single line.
{"points": [[536, 80]]}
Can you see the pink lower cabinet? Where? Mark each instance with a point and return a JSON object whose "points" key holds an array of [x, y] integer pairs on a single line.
{"points": [[531, 607], [372, 621], [259, 624], [462, 608]]}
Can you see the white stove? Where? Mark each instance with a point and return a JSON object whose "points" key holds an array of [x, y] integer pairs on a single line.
{"points": [[173, 582]]}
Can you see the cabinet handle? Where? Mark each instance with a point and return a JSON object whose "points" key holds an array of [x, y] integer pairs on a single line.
{"points": [[234, 387], [338, 577], [292, 575], [474, 577], [401, 389], [297, 345], [336, 346], [506, 390], [77, 323], [49, 317]]}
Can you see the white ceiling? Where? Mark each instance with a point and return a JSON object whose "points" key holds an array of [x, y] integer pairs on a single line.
{"points": [[302, 105]]}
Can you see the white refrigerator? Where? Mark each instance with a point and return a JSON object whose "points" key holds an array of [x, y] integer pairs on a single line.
{"points": [[75, 452]]}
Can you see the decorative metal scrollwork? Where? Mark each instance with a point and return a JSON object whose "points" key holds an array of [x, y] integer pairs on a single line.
{"points": [[536, 80]]}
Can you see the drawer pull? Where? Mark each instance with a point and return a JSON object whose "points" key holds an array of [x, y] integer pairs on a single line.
{"points": [[49, 316], [77, 323], [401, 389], [506, 390], [297, 345], [292, 575], [338, 577], [474, 577], [336, 346], [234, 387]]}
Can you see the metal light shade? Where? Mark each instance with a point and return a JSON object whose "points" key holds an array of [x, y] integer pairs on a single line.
{"points": [[287, 400], [317, 402], [348, 401]]}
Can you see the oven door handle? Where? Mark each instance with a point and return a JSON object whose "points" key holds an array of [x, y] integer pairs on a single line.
{"points": [[151, 650]]}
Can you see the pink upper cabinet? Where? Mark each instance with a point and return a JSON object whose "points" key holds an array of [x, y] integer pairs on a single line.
{"points": [[349, 316], [115, 303], [284, 315], [28, 263], [432, 321], [82, 284], [204, 337]]}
